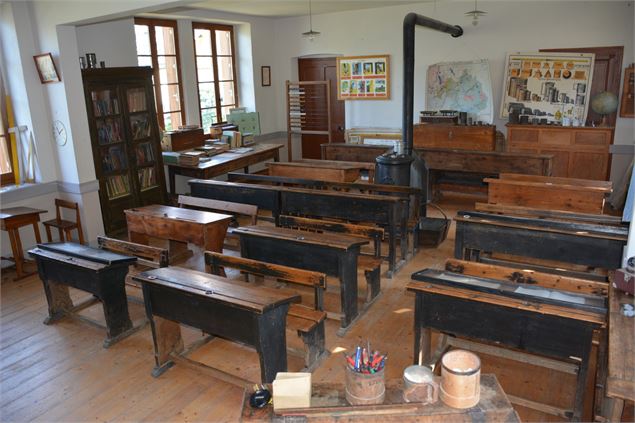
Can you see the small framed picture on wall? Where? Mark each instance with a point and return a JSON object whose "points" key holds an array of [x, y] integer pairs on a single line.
{"points": [[265, 76], [46, 68]]}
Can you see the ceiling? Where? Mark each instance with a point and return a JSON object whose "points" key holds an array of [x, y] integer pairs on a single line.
{"points": [[285, 8]]}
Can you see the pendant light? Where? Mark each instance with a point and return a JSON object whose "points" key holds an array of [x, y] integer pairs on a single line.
{"points": [[310, 34], [475, 14]]}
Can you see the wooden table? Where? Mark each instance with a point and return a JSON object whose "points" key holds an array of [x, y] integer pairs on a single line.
{"points": [[179, 226], [328, 403], [224, 162], [99, 272], [333, 254], [590, 245], [255, 316], [498, 312], [620, 381], [11, 220], [322, 170]]}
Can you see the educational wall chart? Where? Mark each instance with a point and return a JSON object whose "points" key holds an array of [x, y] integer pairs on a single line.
{"points": [[547, 85], [461, 86], [363, 77]]}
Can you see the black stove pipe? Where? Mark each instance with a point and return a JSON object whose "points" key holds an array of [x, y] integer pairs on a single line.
{"points": [[409, 23]]}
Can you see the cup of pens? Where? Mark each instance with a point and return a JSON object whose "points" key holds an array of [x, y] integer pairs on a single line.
{"points": [[365, 377]]}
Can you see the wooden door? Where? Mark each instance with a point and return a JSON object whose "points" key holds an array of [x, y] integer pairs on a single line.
{"points": [[322, 69], [607, 71]]}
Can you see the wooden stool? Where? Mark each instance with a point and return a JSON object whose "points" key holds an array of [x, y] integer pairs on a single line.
{"points": [[64, 226], [11, 220]]}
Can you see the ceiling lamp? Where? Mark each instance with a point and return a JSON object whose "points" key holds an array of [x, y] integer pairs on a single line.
{"points": [[310, 34], [475, 14]]}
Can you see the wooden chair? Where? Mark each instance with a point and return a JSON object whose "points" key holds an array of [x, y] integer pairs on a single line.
{"points": [[308, 322], [370, 264], [64, 227]]}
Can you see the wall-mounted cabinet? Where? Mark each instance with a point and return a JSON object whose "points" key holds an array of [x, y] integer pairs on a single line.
{"points": [[579, 152], [125, 140]]}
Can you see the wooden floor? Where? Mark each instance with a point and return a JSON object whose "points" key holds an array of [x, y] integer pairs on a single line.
{"points": [[62, 373]]}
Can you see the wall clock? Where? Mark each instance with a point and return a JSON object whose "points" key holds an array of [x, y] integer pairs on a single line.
{"points": [[59, 132]]}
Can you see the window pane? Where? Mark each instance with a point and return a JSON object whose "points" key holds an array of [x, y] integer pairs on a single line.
{"points": [[168, 70], [203, 42], [206, 93], [144, 61], [170, 98], [172, 120], [208, 118], [5, 157], [225, 111], [227, 93], [223, 43], [225, 72], [165, 39], [142, 36], [205, 70]]}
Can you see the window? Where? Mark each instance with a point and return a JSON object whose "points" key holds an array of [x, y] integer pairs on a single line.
{"points": [[6, 166], [158, 47], [215, 72]]}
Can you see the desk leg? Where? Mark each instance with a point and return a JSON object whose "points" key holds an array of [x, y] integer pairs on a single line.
{"points": [[422, 334], [459, 251], [115, 305], [172, 180], [348, 290], [578, 403], [36, 229], [58, 299], [18, 255], [272, 343], [392, 246]]}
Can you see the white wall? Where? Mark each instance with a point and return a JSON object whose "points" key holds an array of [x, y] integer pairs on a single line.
{"points": [[112, 42], [508, 27]]}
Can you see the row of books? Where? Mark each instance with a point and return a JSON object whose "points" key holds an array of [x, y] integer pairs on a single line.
{"points": [[109, 131], [147, 177], [140, 126], [136, 100], [115, 159], [145, 153], [117, 186], [104, 104]]}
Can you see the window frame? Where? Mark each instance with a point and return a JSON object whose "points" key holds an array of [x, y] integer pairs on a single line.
{"points": [[152, 23], [213, 27], [9, 177]]}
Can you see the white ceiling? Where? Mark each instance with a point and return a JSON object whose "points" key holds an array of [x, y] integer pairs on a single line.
{"points": [[284, 8]]}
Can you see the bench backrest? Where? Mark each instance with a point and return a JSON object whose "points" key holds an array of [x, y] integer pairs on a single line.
{"points": [[186, 201], [362, 231], [315, 280], [146, 255]]}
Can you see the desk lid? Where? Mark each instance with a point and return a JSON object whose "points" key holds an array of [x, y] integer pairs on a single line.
{"points": [[535, 294], [237, 293], [330, 240], [88, 253]]}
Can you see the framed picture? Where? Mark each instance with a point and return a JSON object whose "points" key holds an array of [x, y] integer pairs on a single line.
{"points": [[265, 76], [363, 77], [547, 85], [628, 91], [46, 68]]}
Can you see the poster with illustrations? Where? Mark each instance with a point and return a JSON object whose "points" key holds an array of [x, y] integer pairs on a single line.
{"points": [[363, 77], [547, 86]]}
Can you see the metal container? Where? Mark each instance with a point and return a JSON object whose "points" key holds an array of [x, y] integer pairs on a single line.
{"points": [[393, 169], [420, 385]]}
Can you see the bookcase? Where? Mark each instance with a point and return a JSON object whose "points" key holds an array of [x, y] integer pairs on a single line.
{"points": [[125, 140]]}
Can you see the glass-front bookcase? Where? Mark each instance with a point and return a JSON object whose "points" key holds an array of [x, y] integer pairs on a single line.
{"points": [[125, 139]]}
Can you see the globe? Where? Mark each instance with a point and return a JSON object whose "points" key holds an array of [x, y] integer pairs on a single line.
{"points": [[604, 103]]}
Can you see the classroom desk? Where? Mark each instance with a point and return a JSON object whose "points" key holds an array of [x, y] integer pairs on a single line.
{"points": [[544, 326], [576, 243], [180, 226], [223, 163], [620, 381], [328, 402], [11, 220], [99, 272], [255, 316], [333, 254], [322, 170]]}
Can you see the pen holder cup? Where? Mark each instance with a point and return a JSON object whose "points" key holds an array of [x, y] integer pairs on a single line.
{"points": [[460, 379], [365, 389]]}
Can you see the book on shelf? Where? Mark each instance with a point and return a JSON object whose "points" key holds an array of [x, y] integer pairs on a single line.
{"points": [[147, 177], [145, 153], [117, 186], [136, 100], [104, 104], [114, 159], [108, 131], [140, 126]]}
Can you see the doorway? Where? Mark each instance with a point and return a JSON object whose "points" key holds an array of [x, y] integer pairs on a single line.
{"points": [[322, 69]]}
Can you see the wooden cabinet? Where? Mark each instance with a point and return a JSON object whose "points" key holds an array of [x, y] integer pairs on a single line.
{"points": [[578, 152], [456, 137], [125, 140]]}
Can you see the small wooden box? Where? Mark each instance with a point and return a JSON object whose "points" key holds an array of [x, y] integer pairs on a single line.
{"points": [[186, 139]]}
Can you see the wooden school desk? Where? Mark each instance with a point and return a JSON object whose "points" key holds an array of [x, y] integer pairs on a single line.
{"points": [[11, 220]]}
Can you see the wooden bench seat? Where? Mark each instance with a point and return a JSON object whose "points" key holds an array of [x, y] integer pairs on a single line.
{"points": [[308, 322], [371, 265]]}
